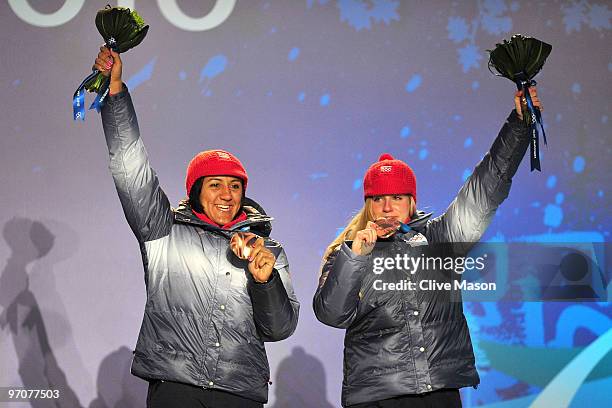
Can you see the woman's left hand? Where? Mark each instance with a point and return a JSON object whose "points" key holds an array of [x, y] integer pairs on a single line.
{"points": [[261, 262], [520, 102]]}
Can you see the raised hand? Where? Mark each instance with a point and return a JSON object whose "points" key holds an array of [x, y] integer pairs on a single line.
{"points": [[261, 262], [108, 62], [364, 240], [520, 102]]}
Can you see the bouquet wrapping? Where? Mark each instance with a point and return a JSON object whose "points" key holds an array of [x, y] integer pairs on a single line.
{"points": [[121, 29], [520, 60]]}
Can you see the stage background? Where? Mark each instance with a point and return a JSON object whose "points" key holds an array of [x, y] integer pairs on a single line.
{"points": [[308, 94]]}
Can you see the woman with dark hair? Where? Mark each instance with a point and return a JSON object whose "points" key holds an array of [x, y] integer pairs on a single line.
{"points": [[208, 313], [411, 348]]}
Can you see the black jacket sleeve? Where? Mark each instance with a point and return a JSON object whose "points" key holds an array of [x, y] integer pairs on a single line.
{"points": [[275, 306], [470, 213], [337, 297]]}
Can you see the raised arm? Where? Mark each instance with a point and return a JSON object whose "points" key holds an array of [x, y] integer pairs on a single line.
{"points": [[145, 205], [470, 213]]}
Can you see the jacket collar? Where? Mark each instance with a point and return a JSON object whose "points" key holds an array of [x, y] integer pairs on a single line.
{"points": [[418, 222], [255, 220]]}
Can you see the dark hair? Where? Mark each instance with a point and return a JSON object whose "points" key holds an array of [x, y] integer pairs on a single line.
{"points": [[194, 195]]}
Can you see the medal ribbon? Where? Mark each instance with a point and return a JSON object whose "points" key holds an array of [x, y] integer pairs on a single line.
{"points": [[78, 99], [533, 118]]}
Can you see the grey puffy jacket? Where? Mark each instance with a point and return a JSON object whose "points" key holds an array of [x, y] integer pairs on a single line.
{"points": [[411, 341], [206, 319]]}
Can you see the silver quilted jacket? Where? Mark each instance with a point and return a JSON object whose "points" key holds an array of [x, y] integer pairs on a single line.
{"points": [[414, 342], [206, 319]]}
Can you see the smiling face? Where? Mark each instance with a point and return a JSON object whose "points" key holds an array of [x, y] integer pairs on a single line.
{"points": [[221, 197], [397, 206]]}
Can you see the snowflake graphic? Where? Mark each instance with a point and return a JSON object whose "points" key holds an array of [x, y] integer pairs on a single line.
{"points": [[359, 13], [596, 16], [457, 29], [573, 16], [599, 17], [496, 25], [355, 12], [385, 11], [469, 57], [491, 18], [494, 7]]}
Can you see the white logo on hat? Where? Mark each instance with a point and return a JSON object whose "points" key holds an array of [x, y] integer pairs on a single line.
{"points": [[385, 169], [223, 155]]}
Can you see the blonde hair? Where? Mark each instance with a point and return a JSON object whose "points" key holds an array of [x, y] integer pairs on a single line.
{"points": [[357, 223]]}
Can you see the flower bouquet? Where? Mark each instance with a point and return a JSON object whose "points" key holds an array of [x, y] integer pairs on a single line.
{"points": [[122, 29], [520, 60]]}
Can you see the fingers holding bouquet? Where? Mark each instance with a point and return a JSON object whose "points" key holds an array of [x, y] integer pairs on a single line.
{"points": [[520, 101], [109, 63]]}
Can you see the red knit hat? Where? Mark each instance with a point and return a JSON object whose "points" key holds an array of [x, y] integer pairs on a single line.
{"points": [[215, 163], [389, 176]]}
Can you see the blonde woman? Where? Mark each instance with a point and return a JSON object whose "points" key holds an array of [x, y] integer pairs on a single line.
{"points": [[411, 348]]}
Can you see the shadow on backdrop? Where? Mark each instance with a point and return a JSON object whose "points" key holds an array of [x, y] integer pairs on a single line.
{"points": [[117, 387], [300, 382], [38, 368]]}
